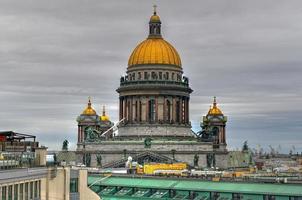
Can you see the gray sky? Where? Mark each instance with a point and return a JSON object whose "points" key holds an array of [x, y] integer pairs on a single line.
{"points": [[54, 54]]}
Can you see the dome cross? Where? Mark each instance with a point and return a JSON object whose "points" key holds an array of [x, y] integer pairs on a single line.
{"points": [[154, 9]]}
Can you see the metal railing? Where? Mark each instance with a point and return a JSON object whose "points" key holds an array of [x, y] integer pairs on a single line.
{"points": [[159, 82]]}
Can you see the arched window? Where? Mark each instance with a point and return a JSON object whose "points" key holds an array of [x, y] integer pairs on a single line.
{"points": [[152, 110], [168, 111]]}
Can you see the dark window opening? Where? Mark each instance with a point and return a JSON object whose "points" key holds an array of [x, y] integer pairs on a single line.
{"points": [[160, 75], [152, 110], [168, 110], [140, 111], [177, 111], [74, 184]]}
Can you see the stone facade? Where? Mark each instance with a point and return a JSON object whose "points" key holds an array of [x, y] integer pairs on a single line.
{"points": [[154, 99]]}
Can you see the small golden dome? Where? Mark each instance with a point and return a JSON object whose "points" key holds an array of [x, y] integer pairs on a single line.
{"points": [[89, 110], [215, 110], [155, 18], [104, 117], [154, 51]]}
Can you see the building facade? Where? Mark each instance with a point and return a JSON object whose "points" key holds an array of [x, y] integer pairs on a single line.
{"points": [[62, 183], [154, 95], [154, 126]]}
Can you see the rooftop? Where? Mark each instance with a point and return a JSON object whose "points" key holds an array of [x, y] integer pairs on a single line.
{"points": [[198, 185]]}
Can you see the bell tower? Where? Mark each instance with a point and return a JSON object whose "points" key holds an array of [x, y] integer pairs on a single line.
{"points": [[214, 124]]}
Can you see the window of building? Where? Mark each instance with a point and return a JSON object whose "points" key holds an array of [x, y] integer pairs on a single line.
{"points": [[16, 192], [74, 184], [146, 75], [139, 74], [3, 192], [10, 192], [160, 75], [133, 76], [21, 191], [167, 75], [39, 186], [26, 191], [152, 110], [31, 190], [36, 189], [128, 111], [136, 110], [140, 110], [153, 75], [173, 76], [177, 111]]}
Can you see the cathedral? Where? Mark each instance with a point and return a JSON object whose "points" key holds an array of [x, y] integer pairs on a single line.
{"points": [[154, 123]]}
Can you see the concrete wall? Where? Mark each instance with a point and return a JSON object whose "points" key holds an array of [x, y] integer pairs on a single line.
{"points": [[85, 192], [56, 188]]}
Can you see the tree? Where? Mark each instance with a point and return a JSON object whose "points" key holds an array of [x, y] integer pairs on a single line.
{"points": [[65, 145]]}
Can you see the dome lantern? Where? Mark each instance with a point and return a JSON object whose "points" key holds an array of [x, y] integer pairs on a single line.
{"points": [[154, 25]]}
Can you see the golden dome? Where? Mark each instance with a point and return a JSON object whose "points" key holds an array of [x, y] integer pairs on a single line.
{"points": [[215, 110], [89, 110], [104, 117], [154, 18], [154, 51]]}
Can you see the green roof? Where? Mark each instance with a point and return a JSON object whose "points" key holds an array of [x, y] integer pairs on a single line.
{"points": [[199, 185]]}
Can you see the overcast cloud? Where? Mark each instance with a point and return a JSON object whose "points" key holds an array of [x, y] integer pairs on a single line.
{"points": [[54, 54]]}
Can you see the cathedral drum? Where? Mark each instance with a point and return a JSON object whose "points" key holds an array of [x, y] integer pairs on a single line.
{"points": [[154, 94]]}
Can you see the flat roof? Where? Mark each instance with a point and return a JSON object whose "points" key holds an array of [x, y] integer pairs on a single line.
{"points": [[201, 185]]}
